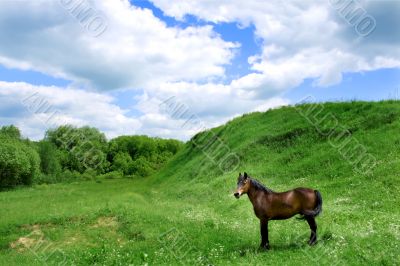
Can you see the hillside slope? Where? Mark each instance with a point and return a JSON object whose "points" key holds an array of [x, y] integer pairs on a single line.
{"points": [[349, 151], [318, 141]]}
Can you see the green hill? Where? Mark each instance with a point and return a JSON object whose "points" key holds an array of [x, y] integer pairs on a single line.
{"points": [[329, 143], [186, 212], [349, 151]]}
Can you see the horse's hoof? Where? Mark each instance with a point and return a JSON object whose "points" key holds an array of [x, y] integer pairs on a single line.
{"points": [[264, 248]]}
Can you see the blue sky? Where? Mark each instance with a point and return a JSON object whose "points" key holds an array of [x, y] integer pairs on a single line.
{"points": [[218, 60], [372, 86]]}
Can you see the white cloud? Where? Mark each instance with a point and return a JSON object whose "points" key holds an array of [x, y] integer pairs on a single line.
{"points": [[135, 50], [37, 108], [301, 39], [170, 111]]}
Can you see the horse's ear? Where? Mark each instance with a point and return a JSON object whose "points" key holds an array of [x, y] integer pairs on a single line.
{"points": [[240, 174], [245, 175]]}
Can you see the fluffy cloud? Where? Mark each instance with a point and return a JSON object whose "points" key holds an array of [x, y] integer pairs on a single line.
{"points": [[36, 108], [170, 111], [302, 39], [135, 50]]}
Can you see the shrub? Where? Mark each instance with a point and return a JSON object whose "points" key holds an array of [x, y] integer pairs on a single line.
{"points": [[11, 132], [46, 179], [141, 167], [19, 163], [82, 148], [70, 176], [140, 155], [89, 174], [49, 159], [122, 162]]}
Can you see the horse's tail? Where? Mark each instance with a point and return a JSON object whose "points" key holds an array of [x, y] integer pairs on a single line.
{"points": [[318, 209]]}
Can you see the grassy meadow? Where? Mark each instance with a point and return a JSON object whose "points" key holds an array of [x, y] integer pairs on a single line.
{"points": [[185, 213]]}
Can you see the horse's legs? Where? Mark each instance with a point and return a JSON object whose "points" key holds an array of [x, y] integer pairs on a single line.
{"points": [[313, 227], [264, 234]]}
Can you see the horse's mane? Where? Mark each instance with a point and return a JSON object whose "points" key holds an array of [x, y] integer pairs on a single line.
{"points": [[257, 184]]}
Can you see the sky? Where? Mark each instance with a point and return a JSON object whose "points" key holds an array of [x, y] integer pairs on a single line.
{"points": [[150, 66]]}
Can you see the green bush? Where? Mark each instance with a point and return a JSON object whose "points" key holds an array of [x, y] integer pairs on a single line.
{"points": [[19, 163], [140, 155], [141, 167], [10, 131], [49, 159], [81, 148], [122, 162], [70, 176], [42, 178], [89, 174]]}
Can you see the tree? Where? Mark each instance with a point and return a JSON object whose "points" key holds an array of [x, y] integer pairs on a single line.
{"points": [[49, 158], [142, 167], [10, 131], [19, 163], [122, 162], [140, 155], [83, 148]]}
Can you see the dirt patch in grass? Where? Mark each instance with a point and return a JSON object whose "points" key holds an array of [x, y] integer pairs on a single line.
{"points": [[36, 237], [32, 240], [106, 221]]}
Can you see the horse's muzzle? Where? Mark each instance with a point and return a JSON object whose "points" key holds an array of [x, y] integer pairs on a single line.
{"points": [[237, 195]]}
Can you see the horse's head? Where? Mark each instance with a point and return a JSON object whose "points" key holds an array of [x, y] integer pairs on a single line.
{"points": [[243, 185]]}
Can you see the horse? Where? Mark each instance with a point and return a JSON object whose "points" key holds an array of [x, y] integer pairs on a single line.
{"points": [[269, 205]]}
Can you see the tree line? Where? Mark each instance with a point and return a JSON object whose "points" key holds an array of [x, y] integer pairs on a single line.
{"points": [[69, 153]]}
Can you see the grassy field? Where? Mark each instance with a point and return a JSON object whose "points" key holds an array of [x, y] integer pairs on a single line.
{"points": [[186, 213]]}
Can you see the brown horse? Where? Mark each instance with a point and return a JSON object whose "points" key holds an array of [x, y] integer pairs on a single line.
{"points": [[269, 205]]}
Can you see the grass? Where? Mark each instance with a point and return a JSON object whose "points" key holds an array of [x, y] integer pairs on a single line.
{"points": [[186, 213]]}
